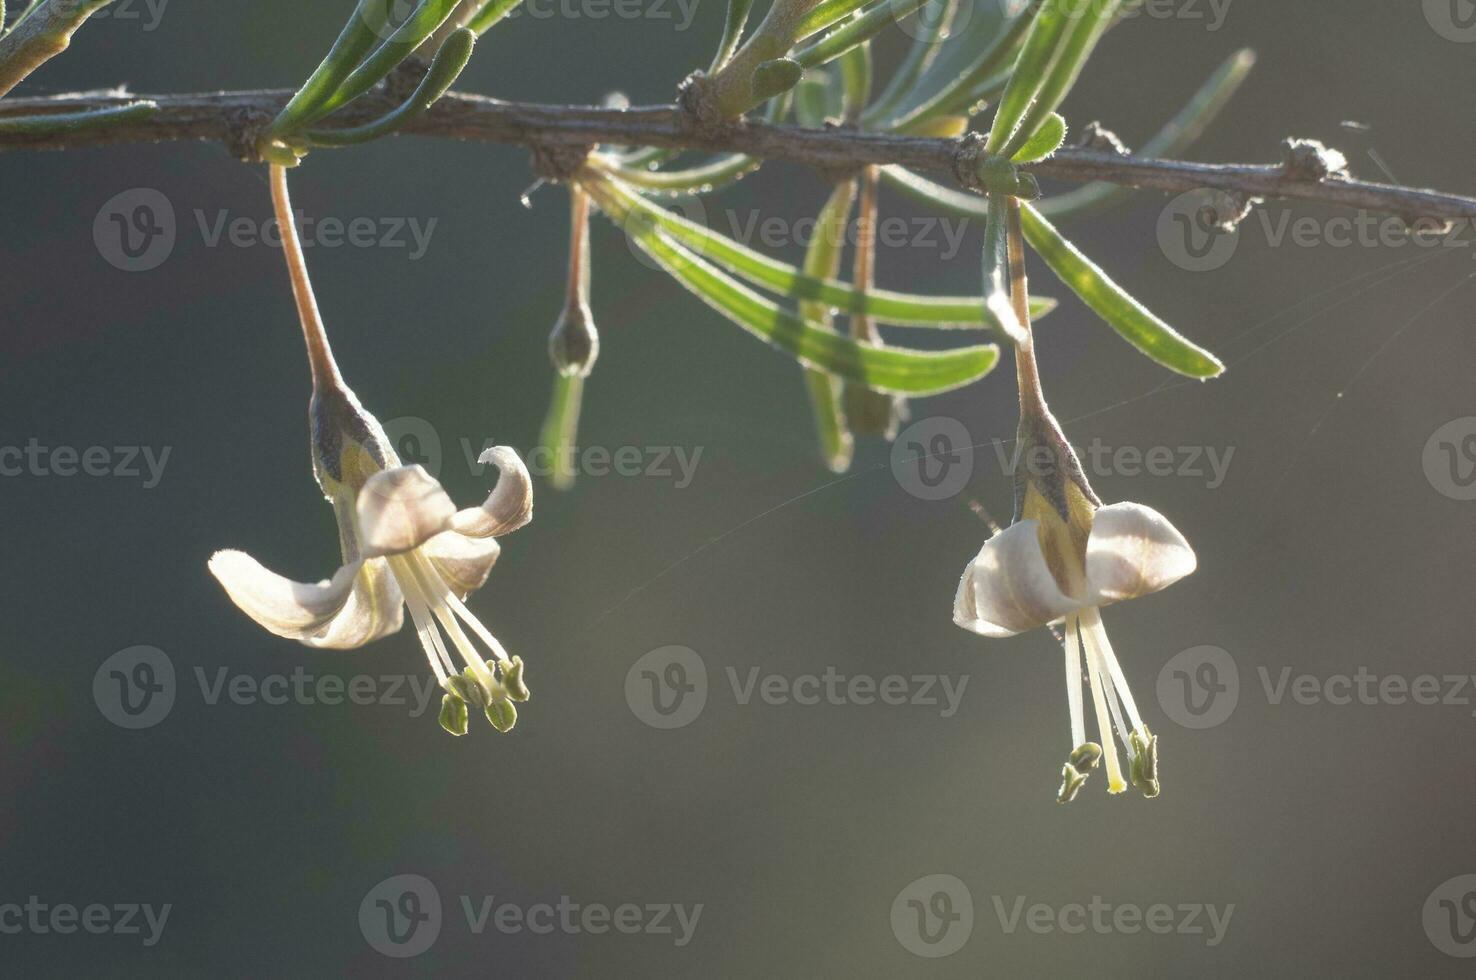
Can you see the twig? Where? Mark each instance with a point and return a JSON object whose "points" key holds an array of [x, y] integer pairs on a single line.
{"points": [[235, 117]]}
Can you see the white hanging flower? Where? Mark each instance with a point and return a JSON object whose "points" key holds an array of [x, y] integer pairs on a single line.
{"points": [[1065, 557], [1131, 551], [404, 543]]}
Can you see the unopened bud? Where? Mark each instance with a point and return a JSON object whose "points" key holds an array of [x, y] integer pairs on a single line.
{"points": [[574, 344]]}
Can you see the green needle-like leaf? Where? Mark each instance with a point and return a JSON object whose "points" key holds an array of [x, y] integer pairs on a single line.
{"points": [[1046, 141], [488, 16], [406, 38], [984, 70], [826, 13], [354, 42], [1177, 135], [930, 31], [703, 179], [448, 63], [855, 69], [899, 309], [1108, 300], [1137, 325], [1041, 47], [1087, 25], [737, 19], [822, 260], [891, 369], [71, 122], [854, 32]]}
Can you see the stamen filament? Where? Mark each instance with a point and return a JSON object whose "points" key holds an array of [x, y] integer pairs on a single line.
{"points": [[459, 608], [1097, 637], [1115, 782], [1073, 681]]}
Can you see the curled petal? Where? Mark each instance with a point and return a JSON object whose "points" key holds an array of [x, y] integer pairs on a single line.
{"points": [[1008, 588], [462, 562], [401, 509], [1134, 551], [509, 506], [359, 604]]}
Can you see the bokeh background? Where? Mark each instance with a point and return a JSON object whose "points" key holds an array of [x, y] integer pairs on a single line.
{"points": [[1327, 548]]}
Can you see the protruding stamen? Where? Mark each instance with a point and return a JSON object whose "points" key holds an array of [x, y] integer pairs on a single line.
{"points": [[1097, 635], [1073, 680], [1115, 782]]}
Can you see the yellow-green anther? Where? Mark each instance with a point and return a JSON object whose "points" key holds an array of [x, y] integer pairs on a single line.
{"points": [[1086, 756], [512, 679], [1071, 783], [502, 715], [453, 714], [1144, 770], [1076, 770], [468, 690]]}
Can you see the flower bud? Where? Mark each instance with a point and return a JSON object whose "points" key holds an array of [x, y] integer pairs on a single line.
{"points": [[574, 344]]}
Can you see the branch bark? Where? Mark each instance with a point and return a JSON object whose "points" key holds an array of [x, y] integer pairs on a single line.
{"points": [[235, 118]]}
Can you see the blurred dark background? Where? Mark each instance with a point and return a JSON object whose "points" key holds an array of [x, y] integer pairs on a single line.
{"points": [[1326, 548]]}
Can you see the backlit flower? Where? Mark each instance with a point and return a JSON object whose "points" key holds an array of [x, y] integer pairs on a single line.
{"points": [[1063, 558], [404, 543]]}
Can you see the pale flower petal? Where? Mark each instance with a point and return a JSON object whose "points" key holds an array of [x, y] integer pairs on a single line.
{"points": [[462, 562], [1008, 588], [401, 509], [359, 604], [509, 506], [1134, 551]]}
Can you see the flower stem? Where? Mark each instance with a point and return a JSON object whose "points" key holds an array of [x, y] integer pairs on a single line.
{"points": [[320, 355], [1032, 396]]}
